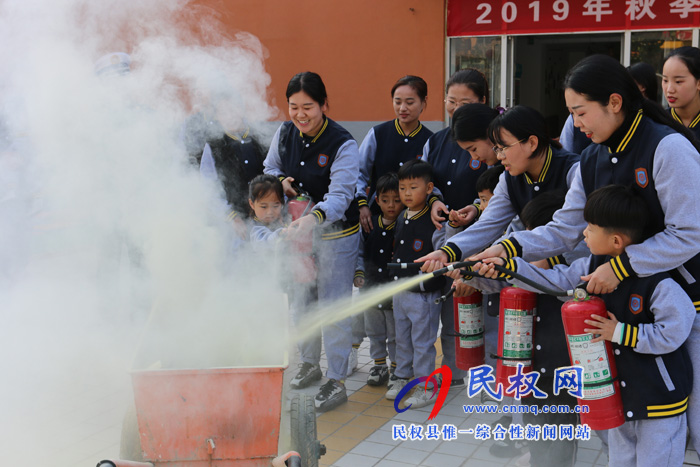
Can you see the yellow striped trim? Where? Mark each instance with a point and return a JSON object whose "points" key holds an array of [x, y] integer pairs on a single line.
{"points": [[451, 255], [232, 215], [545, 169], [697, 306], [617, 273], [432, 199], [323, 128], [478, 207], [388, 227], [362, 202], [627, 335], [420, 213], [553, 261], [630, 132], [676, 117], [359, 274], [319, 216], [234, 137], [343, 233], [668, 410], [693, 122], [510, 248], [413, 133], [634, 336]]}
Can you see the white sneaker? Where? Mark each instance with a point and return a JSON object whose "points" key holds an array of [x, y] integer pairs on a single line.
{"points": [[420, 397], [394, 387], [352, 361]]}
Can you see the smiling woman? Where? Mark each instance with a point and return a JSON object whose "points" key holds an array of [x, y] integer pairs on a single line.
{"points": [[391, 144], [320, 157]]}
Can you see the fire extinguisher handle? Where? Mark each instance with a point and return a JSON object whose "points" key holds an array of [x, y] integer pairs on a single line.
{"points": [[445, 297]]}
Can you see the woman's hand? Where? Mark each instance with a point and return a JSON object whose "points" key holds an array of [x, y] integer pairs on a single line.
{"points": [[301, 227], [601, 281], [491, 252], [464, 216], [602, 326], [486, 267], [289, 192], [462, 289], [366, 218], [436, 209], [433, 261]]}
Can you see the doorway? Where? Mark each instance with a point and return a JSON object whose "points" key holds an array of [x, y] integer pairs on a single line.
{"points": [[541, 63]]}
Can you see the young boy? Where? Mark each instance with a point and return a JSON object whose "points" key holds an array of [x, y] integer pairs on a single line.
{"points": [[375, 252], [550, 352], [649, 319], [416, 316]]}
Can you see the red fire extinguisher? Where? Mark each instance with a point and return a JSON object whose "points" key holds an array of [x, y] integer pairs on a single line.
{"points": [[303, 266], [601, 390], [516, 327], [469, 324]]}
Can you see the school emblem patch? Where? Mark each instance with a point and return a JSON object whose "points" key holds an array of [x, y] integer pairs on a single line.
{"points": [[417, 245], [640, 176], [635, 303], [475, 164], [322, 160]]}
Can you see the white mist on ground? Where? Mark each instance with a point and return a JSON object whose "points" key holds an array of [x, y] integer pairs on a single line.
{"points": [[113, 249]]}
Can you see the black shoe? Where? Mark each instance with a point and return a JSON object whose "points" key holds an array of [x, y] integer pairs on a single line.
{"points": [[331, 395], [306, 375], [378, 375], [504, 421], [507, 448]]}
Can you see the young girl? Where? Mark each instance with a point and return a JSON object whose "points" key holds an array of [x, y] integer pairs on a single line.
{"points": [[266, 199], [388, 145], [638, 145], [681, 85], [321, 157]]}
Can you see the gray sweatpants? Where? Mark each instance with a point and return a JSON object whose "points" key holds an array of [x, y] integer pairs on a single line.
{"points": [[381, 331], [417, 318], [652, 442], [336, 268]]}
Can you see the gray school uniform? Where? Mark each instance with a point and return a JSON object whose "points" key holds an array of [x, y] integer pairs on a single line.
{"points": [[648, 441], [336, 251], [676, 166]]}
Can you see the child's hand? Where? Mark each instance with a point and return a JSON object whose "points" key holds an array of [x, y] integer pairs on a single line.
{"points": [[462, 289], [436, 210], [603, 327], [289, 192], [359, 282], [301, 227], [466, 215]]}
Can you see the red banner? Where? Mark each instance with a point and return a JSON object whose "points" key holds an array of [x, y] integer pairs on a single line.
{"points": [[495, 17]]}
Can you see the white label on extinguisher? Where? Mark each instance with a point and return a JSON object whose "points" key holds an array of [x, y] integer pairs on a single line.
{"points": [[471, 325], [517, 336], [596, 369]]}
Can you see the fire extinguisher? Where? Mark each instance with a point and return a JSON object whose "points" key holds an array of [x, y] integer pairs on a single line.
{"points": [[469, 327], [601, 389], [516, 327], [303, 265]]}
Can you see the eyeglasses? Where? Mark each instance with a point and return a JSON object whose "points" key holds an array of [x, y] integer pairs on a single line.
{"points": [[453, 103], [500, 151]]}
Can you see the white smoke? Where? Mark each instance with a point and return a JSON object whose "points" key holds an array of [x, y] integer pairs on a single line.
{"points": [[111, 244]]}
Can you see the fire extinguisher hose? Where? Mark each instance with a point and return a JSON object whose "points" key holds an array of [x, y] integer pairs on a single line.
{"points": [[499, 268]]}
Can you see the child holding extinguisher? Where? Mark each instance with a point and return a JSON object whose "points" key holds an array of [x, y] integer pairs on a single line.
{"points": [[649, 319]]}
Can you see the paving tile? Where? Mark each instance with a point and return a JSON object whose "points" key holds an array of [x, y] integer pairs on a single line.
{"points": [[388, 463], [355, 432], [330, 457], [326, 428], [427, 445], [354, 460], [442, 460], [353, 407], [407, 456], [366, 397], [339, 443], [336, 416], [384, 437], [366, 420], [411, 416], [471, 462], [380, 411], [368, 448], [586, 455], [482, 452], [453, 448]]}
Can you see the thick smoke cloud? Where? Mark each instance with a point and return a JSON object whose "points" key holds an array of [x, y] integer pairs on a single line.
{"points": [[113, 249]]}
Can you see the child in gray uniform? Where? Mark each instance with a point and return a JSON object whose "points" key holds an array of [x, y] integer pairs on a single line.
{"points": [[649, 319]]}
